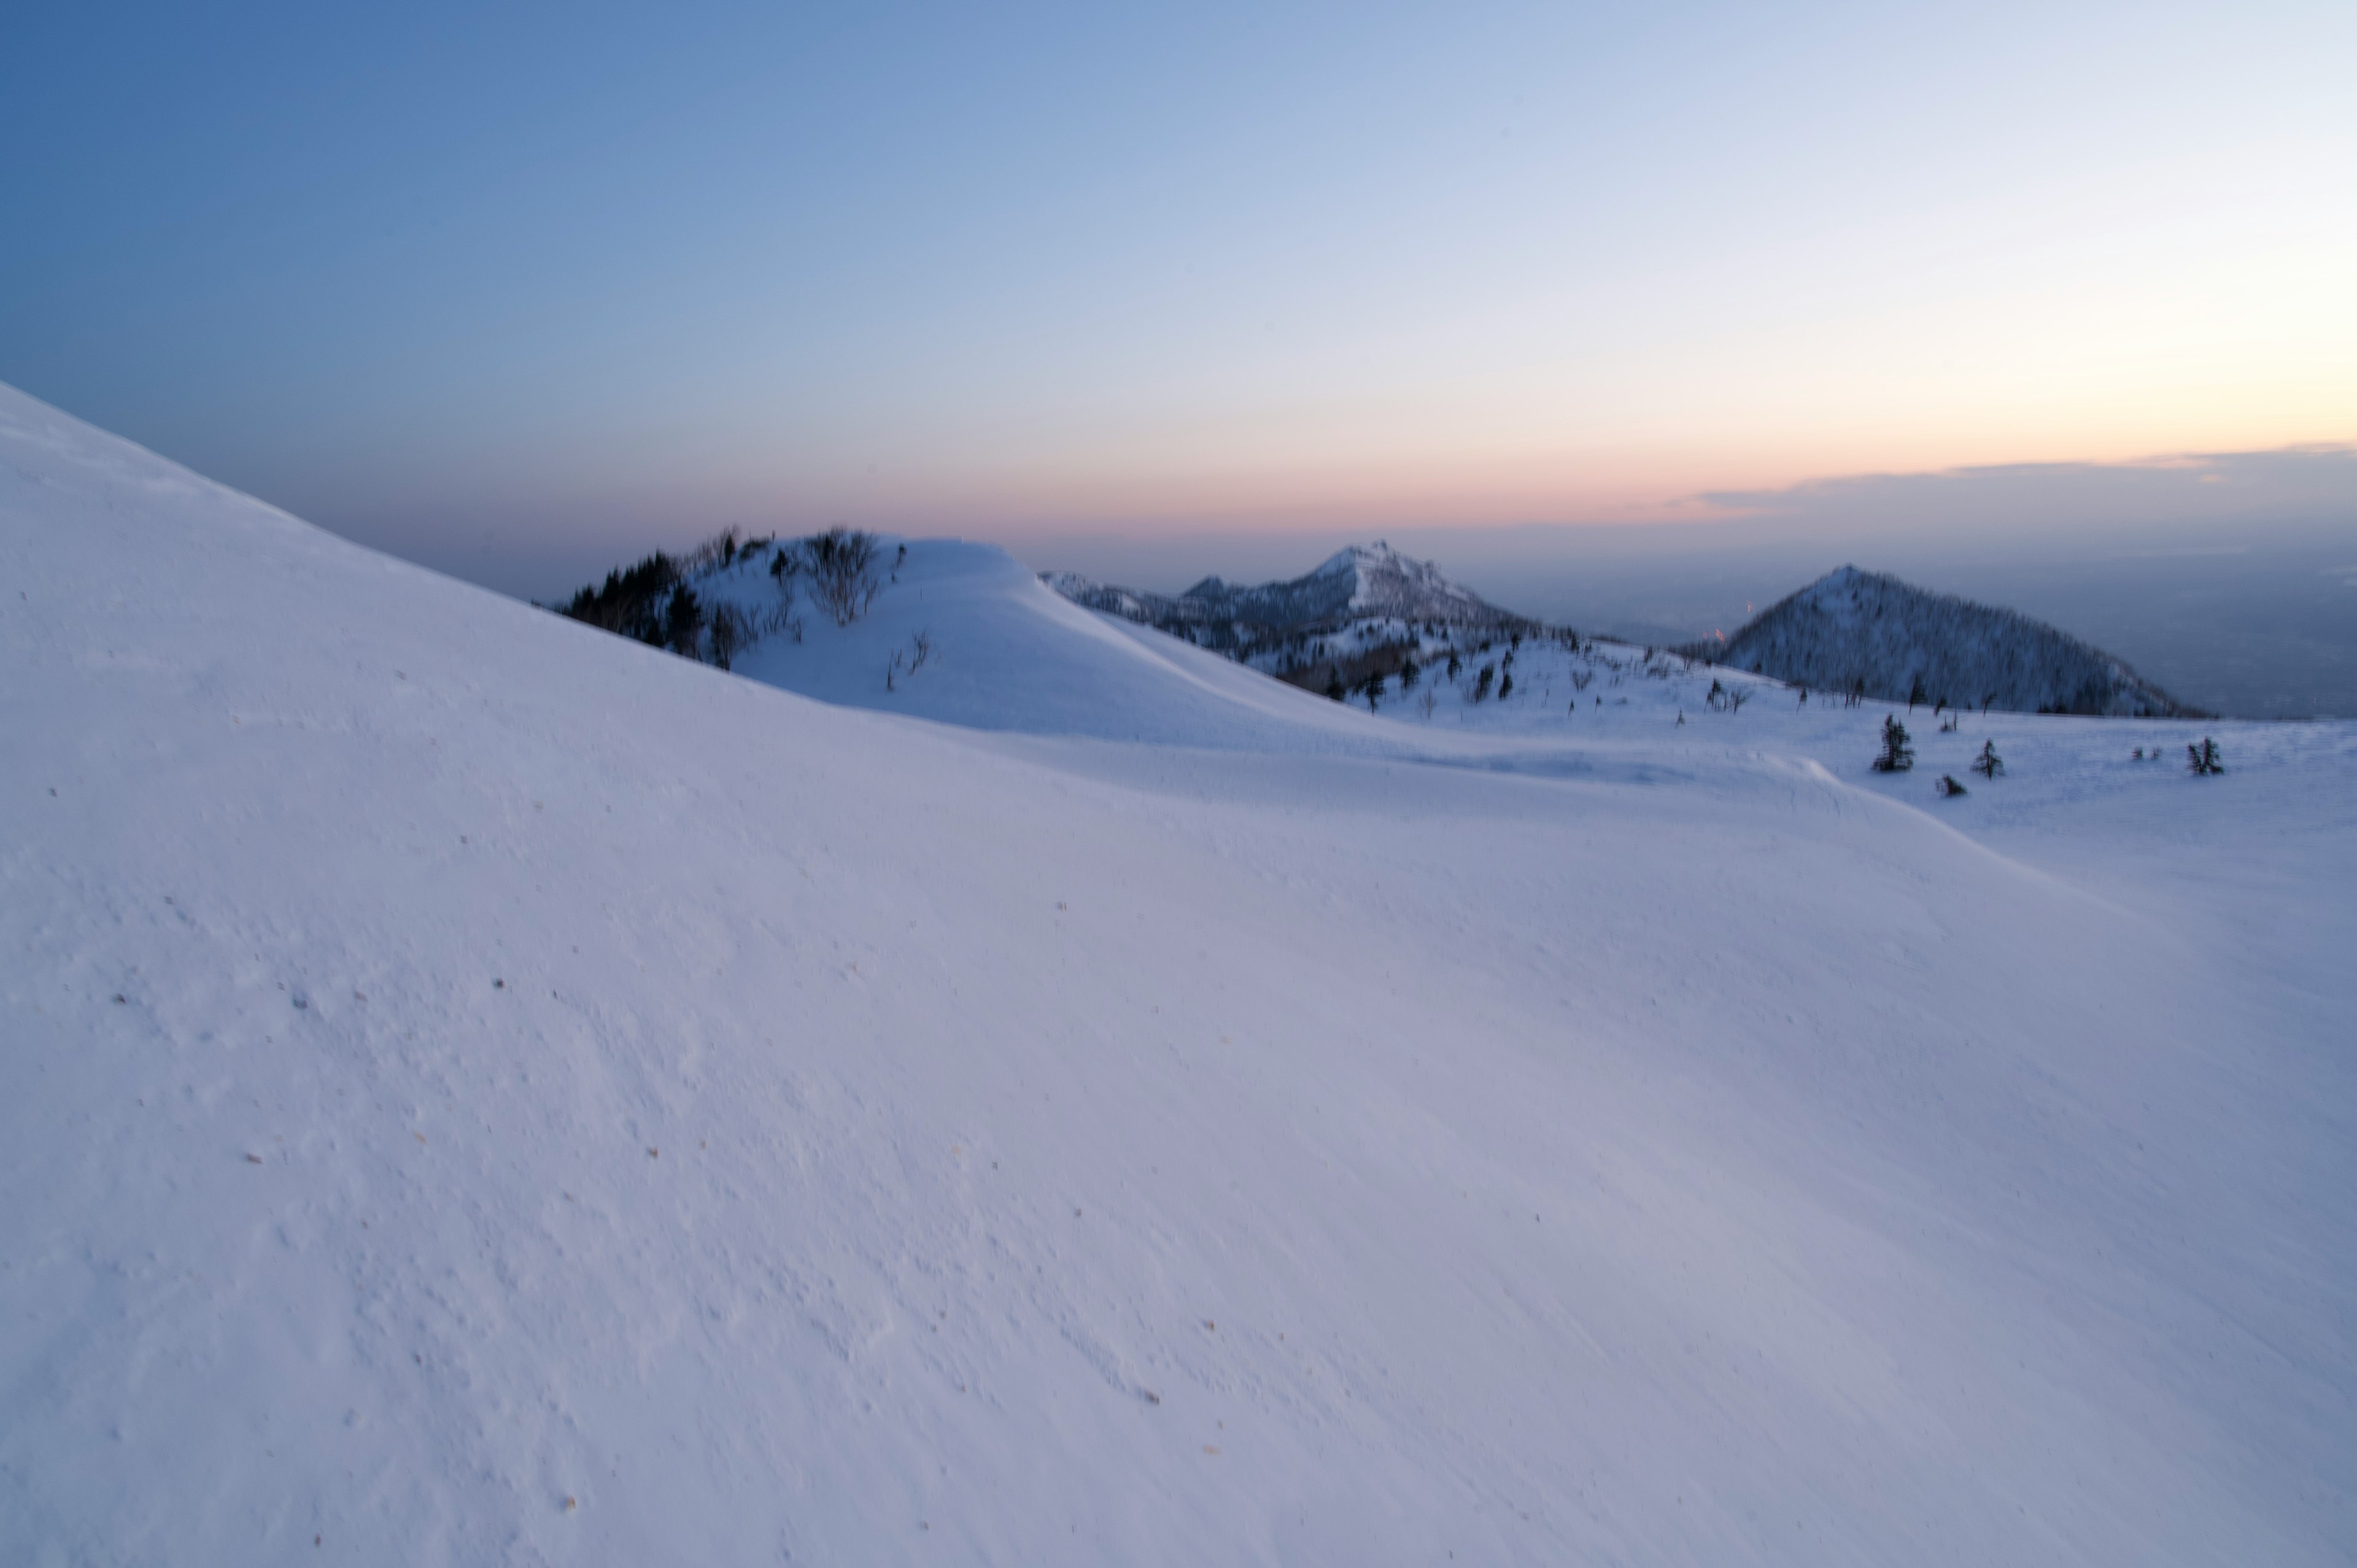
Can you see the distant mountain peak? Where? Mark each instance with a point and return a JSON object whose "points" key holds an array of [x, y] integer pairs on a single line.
{"points": [[1364, 557], [1855, 630], [1358, 582]]}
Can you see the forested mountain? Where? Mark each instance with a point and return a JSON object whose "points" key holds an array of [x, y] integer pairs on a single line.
{"points": [[1865, 632]]}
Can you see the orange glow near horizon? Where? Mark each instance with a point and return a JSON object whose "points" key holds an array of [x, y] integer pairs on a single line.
{"points": [[1624, 489]]}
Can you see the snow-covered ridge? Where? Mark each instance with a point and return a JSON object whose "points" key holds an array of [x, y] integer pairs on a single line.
{"points": [[1865, 632]]}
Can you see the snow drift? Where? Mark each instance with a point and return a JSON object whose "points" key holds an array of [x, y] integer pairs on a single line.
{"points": [[485, 1091]]}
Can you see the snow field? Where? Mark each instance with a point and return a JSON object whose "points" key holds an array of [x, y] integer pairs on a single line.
{"points": [[567, 1103]]}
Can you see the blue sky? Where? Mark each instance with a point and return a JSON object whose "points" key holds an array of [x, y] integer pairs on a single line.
{"points": [[516, 291]]}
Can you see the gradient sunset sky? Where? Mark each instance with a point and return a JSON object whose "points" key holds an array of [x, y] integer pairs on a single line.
{"points": [[573, 281]]}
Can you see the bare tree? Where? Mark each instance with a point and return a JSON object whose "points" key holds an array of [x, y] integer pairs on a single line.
{"points": [[785, 565], [779, 618], [727, 633], [720, 550], [842, 566]]}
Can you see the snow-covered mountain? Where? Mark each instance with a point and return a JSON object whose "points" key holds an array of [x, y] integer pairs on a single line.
{"points": [[1873, 634], [484, 1091], [1285, 626]]}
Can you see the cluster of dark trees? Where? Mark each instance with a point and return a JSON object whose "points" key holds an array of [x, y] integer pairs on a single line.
{"points": [[1897, 756], [656, 603], [1372, 686], [1369, 674], [633, 601]]}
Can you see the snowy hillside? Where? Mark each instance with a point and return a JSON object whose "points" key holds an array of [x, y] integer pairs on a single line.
{"points": [[488, 1091], [1283, 627], [1866, 632], [963, 633]]}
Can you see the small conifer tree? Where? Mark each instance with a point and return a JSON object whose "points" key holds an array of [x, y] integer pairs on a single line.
{"points": [[1988, 764], [2203, 759], [1898, 755]]}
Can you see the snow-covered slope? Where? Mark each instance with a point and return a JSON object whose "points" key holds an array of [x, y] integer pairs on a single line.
{"points": [[485, 1091], [1852, 630], [1002, 651]]}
